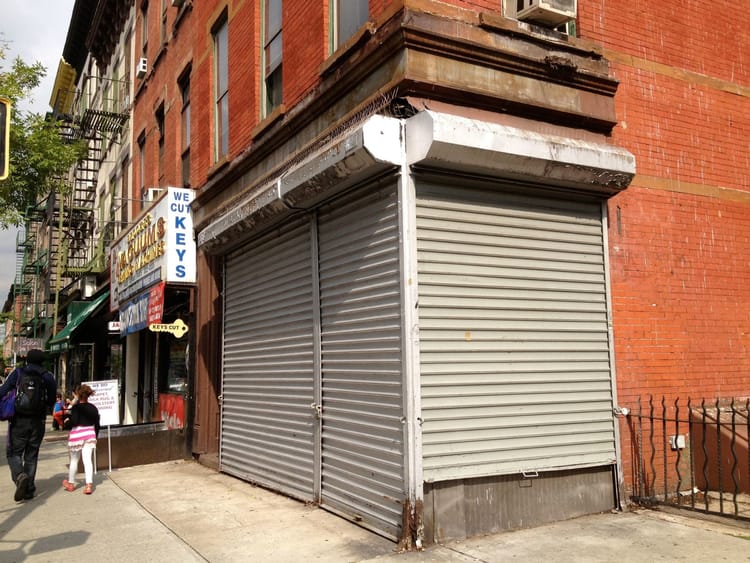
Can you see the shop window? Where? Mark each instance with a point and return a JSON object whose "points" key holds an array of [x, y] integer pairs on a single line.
{"points": [[173, 368]]}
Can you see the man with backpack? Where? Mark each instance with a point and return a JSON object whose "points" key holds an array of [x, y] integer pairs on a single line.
{"points": [[35, 395]]}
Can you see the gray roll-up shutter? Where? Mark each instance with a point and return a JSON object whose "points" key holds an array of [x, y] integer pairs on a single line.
{"points": [[267, 420], [514, 349], [362, 435]]}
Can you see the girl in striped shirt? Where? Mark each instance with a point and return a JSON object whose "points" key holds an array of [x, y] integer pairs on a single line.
{"points": [[84, 419]]}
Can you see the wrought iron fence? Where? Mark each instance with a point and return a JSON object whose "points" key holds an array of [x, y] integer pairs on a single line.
{"points": [[692, 455]]}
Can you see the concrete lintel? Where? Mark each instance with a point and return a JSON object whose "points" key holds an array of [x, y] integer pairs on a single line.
{"points": [[371, 148], [453, 142]]}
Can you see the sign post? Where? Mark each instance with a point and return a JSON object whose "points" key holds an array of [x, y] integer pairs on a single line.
{"points": [[106, 399]]}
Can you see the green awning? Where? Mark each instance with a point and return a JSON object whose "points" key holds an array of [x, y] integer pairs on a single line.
{"points": [[61, 341]]}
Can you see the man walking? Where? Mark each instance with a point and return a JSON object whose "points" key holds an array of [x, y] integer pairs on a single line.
{"points": [[36, 390]]}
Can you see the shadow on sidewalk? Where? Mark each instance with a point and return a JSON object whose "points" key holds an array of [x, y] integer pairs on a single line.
{"points": [[31, 517]]}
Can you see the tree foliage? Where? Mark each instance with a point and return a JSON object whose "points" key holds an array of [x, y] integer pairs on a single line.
{"points": [[39, 156]]}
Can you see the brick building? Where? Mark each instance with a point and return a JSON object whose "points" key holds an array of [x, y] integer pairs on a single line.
{"points": [[428, 274]]}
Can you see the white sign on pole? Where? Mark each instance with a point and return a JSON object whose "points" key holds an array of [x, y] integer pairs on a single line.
{"points": [[106, 399]]}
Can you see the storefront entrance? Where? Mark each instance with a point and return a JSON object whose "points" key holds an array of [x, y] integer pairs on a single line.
{"points": [[312, 385]]}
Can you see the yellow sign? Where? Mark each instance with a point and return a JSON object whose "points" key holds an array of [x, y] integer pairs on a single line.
{"points": [[145, 243], [178, 328]]}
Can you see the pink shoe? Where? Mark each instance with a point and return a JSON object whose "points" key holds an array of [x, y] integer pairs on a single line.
{"points": [[88, 489], [68, 486]]}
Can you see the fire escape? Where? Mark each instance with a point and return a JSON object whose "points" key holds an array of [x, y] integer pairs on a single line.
{"points": [[99, 124], [66, 240], [31, 284]]}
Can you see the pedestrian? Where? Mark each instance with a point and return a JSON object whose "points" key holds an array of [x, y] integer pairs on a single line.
{"points": [[58, 413], [84, 421], [35, 388]]}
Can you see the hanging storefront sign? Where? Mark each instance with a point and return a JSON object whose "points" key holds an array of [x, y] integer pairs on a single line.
{"points": [[177, 328], [134, 315], [23, 345], [155, 303], [159, 248]]}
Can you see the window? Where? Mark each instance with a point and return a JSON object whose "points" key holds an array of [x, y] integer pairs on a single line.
{"points": [[144, 28], [221, 89], [272, 55], [126, 78], [184, 84], [163, 29], [347, 17], [173, 365], [142, 165], [124, 194], [160, 129]]}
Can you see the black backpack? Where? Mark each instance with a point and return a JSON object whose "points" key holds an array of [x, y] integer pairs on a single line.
{"points": [[31, 393]]}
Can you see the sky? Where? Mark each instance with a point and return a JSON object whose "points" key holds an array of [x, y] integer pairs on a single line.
{"points": [[35, 30]]}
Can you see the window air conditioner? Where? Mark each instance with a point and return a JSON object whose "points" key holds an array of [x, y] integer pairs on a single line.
{"points": [[142, 68], [152, 194], [549, 13]]}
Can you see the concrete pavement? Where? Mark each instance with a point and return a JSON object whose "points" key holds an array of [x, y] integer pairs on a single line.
{"points": [[182, 511]]}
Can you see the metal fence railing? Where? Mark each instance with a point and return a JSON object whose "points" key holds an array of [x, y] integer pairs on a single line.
{"points": [[692, 455]]}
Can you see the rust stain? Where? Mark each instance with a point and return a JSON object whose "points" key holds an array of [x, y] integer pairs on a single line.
{"points": [[412, 528]]}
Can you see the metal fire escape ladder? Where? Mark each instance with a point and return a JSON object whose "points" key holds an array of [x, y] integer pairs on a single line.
{"points": [[30, 287], [80, 252]]}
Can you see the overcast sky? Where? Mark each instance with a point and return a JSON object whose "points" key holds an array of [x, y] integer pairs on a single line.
{"points": [[35, 30]]}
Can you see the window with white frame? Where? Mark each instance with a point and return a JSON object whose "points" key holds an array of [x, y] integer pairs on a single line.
{"points": [[184, 85], [347, 16], [142, 165], [221, 89], [144, 28], [272, 57], [125, 195]]}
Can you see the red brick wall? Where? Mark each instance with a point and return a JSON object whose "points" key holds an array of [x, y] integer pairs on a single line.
{"points": [[305, 29], [705, 37], [158, 88], [678, 237]]}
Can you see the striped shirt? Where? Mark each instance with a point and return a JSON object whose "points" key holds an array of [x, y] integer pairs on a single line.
{"points": [[80, 435]]}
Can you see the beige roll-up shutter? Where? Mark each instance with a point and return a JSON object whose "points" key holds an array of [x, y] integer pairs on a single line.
{"points": [[362, 469], [514, 348], [267, 421]]}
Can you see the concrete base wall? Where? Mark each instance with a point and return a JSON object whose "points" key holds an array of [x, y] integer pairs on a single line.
{"points": [[468, 507], [134, 447]]}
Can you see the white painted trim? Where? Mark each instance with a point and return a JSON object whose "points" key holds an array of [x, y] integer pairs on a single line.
{"points": [[460, 143], [412, 399], [432, 139]]}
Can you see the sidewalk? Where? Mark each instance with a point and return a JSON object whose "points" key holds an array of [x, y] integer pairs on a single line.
{"points": [[182, 511]]}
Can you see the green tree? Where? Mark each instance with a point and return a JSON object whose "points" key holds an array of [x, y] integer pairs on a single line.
{"points": [[39, 156]]}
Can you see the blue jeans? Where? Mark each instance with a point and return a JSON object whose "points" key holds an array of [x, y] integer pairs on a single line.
{"points": [[24, 439]]}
